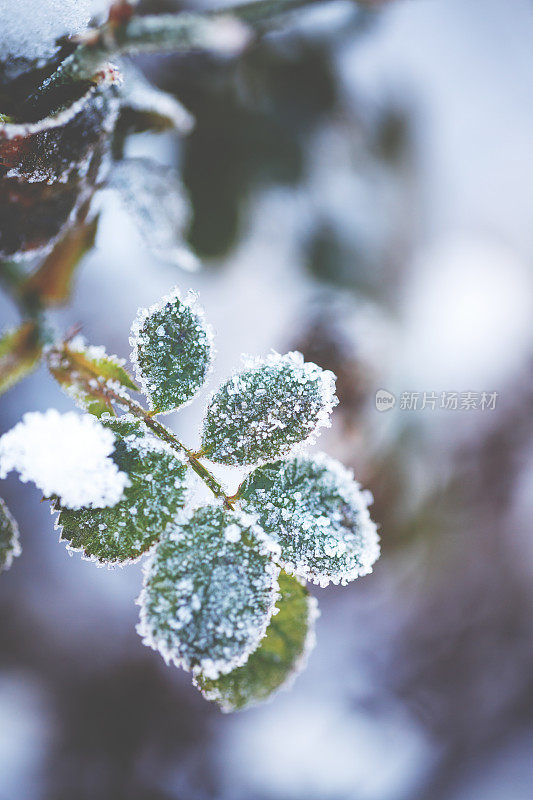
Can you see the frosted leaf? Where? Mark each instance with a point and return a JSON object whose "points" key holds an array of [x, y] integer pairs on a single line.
{"points": [[207, 599], [149, 107], [157, 490], [30, 29], [20, 351], [67, 455], [84, 370], [9, 538], [316, 512], [261, 412], [280, 657], [172, 351], [154, 197]]}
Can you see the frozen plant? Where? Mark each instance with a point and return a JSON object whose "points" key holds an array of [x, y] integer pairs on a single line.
{"points": [[224, 591]]}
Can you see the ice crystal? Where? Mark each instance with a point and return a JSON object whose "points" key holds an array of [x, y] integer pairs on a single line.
{"points": [[67, 455], [314, 509], [29, 29], [84, 370], [279, 658], [9, 538], [157, 490], [207, 597], [172, 351], [155, 198], [261, 412]]}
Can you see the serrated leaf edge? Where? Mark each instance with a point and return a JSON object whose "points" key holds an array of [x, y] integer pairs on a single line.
{"points": [[155, 445]]}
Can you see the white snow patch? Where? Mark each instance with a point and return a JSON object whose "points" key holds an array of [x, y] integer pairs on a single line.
{"points": [[65, 455]]}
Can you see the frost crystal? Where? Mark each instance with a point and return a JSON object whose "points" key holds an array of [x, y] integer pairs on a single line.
{"points": [[207, 597], [156, 491], [279, 658], [261, 412], [317, 513], [9, 538], [172, 351], [30, 29], [67, 455]]}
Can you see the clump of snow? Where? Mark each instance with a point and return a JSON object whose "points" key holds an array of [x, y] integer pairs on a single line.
{"points": [[67, 455], [29, 28], [267, 408]]}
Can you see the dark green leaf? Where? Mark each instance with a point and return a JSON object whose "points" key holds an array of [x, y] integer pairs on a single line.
{"points": [[172, 351], [208, 594], [265, 409], [316, 513], [278, 659], [125, 531]]}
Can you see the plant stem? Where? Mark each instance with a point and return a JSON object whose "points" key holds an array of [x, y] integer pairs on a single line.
{"points": [[125, 402]]}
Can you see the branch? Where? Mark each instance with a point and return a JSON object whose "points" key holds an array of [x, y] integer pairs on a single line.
{"points": [[126, 33], [125, 402]]}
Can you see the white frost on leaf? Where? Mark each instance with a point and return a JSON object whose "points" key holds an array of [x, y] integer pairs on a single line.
{"points": [[267, 408], [316, 512], [67, 455], [29, 28], [155, 199], [173, 350], [208, 596]]}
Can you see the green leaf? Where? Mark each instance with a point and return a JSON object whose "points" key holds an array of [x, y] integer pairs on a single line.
{"points": [[20, 351], [9, 538], [279, 658], [316, 513], [172, 351], [122, 533], [209, 593], [83, 371], [266, 409]]}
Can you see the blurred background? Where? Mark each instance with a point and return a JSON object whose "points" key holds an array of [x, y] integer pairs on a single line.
{"points": [[361, 187]]}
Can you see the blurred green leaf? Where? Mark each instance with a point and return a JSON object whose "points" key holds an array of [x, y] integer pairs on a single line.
{"points": [[20, 352], [51, 284], [9, 538]]}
